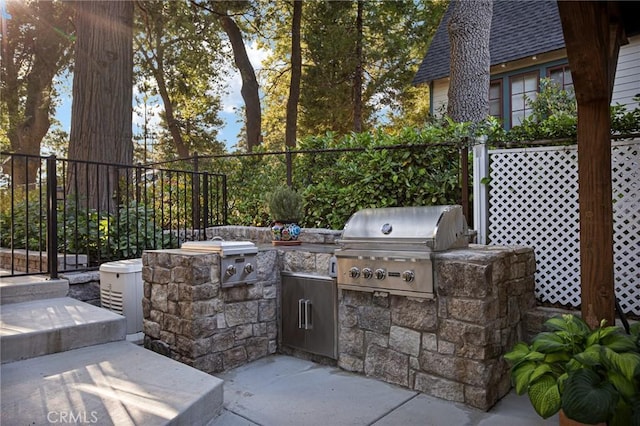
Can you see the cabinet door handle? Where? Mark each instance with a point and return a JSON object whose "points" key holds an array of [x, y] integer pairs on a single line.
{"points": [[308, 313], [301, 313]]}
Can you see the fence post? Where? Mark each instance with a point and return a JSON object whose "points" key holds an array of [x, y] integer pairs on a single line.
{"points": [[464, 184], [205, 200], [139, 182], [289, 168], [481, 189], [52, 218], [195, 195], [224, 200]]}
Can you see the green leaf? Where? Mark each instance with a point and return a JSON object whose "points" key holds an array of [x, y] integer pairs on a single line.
{"points": [[519, 351], [534, 356], [601, 333], [573, 325], [619, 342], [622, 384], [521, 376], [549, 342], [540, 371], [627, 363], [545, 396], [587, 398], [556, 323], [557, 357], [591, 356]]}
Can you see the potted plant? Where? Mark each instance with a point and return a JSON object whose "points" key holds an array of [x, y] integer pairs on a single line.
{"points": [[285, 209], [593, 376]]}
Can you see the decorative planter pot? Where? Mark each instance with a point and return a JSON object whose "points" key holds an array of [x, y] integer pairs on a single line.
{"points": [[285, 233], [566, 421]]}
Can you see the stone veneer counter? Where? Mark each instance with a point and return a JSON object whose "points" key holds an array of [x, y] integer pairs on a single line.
{"points": [[191, 318], [450, 347]]}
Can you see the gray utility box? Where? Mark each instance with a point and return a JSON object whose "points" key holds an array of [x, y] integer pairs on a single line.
{"points": [[309, 313], [121, 290]]}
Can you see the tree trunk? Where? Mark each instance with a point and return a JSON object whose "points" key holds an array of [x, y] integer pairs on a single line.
{"points": [[357, 79], [101, 114], [249, 89], [296, 73], [172, 123], [469, 31], [155, 34]]}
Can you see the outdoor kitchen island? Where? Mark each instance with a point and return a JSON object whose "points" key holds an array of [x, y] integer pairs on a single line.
{"points": [[447, 345]]}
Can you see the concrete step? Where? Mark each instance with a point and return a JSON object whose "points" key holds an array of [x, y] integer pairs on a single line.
{"points": [[28, 288], [116, 383], [41, 327]]}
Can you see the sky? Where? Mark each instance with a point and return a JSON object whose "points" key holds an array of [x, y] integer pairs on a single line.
{"points": [[232, 101]]}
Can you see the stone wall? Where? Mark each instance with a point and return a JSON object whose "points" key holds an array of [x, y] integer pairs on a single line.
{"points": [[84, 286], [191, 318], [449, 347], [36, 261]]}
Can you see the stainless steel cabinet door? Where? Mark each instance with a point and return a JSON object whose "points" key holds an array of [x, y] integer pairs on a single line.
{"points": [[292, 293], [309, 313]]}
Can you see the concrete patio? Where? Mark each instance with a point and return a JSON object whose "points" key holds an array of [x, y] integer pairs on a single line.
{"points": [[282, 390]]}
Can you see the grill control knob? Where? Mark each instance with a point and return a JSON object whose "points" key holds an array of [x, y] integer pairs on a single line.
{"points": [[367, 273], [381, 274], [248, 268], [354, 272], [408, 276], [231, 270]]}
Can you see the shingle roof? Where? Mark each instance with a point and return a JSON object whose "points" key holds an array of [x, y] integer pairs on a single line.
{"points": [[518, 29]]}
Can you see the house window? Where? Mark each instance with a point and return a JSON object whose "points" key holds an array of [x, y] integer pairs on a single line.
{"points": [[495, 99], [562, 76], [522, 85]]}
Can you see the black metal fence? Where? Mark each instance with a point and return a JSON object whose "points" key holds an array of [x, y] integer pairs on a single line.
{"points": [[425, 173], [96, 212], [87, 213]]}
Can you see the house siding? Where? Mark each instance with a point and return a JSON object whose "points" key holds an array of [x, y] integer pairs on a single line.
{"points": [[440, 96], [627, 82]]}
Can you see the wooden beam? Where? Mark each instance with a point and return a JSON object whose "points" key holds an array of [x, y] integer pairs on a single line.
{"points": [[593, 33]]}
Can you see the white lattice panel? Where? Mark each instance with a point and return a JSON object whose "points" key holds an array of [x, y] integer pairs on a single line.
{"points": [[533, 201]]}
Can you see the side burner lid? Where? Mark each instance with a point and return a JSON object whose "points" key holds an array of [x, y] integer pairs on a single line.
{"points": [[436, 227], [224, 248]]}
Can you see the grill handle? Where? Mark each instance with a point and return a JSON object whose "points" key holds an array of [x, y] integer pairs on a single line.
{"points": [[308, 313], [301, 313], [305, 314]]}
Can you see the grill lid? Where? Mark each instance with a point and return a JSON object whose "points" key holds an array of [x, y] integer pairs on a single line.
{"points": [[432, 227], [223, 248]]}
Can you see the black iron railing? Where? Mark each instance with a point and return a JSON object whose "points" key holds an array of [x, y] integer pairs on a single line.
{"points": [[87, 213]]}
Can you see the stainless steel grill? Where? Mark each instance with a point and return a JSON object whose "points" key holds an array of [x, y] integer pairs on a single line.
{"points": [[391, 249]]}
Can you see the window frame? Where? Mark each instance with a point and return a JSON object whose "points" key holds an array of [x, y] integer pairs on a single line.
{"points": [[522, 76], [500, 98], [564, 68]]}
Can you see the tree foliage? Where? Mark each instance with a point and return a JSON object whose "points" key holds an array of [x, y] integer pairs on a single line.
{"points": [[37, 41], [394, 37], [180, 60]]}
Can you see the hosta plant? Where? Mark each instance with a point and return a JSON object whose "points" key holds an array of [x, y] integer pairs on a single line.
{"points": [[592, 375]]}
